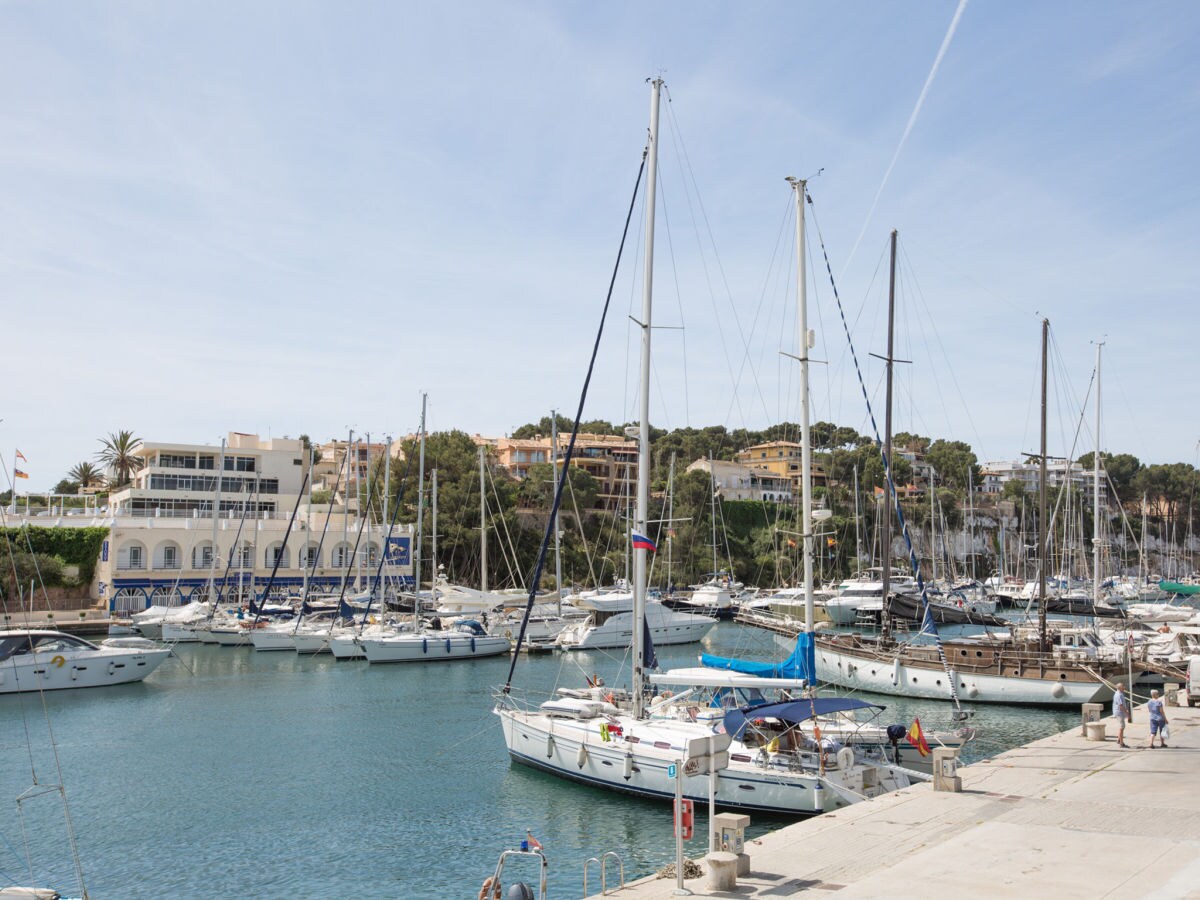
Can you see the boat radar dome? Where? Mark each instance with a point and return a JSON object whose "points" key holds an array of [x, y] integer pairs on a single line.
{"points": [[519, 891]]}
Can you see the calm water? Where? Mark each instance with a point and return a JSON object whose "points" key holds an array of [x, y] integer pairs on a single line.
{"points": [[231, 773]]}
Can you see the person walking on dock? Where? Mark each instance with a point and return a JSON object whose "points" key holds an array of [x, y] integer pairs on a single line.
{"points": [[1120, 711], [1158, 719]]}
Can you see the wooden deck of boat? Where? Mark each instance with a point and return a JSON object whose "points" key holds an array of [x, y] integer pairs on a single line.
{"points": [[1060, 817]]}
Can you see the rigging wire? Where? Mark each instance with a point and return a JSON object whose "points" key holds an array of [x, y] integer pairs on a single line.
{"points": [[929, 625], [536, 576]]}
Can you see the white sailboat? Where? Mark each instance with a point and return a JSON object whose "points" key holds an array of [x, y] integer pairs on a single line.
{"points": [[614, 739]]}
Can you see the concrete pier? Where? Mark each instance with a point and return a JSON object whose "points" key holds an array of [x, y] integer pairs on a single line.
{"points": [[1062, 817]]}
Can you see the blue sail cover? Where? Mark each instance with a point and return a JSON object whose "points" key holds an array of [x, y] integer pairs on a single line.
{"points": [[801, 664], [792, 711]]}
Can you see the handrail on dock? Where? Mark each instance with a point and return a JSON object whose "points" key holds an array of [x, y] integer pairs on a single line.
{"points": [[602, 862]]}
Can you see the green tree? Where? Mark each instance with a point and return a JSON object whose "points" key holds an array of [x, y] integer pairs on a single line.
{"points": [[1014, 489], [66, 486], [952, 460], [1121, 469], [117, 452], [85, 474]]}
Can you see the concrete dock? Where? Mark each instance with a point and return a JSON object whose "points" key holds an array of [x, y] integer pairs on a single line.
{"points": [[1060, 817]]}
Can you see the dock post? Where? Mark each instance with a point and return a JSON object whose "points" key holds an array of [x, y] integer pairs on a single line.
{"points": [[945, 770], [1092, 712]]}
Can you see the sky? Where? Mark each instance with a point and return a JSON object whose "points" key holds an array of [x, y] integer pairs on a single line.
{"points": [[298, 217]]}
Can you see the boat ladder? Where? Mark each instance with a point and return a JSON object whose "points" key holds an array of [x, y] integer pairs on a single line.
{"points": [[534, 854], [602, 862]]}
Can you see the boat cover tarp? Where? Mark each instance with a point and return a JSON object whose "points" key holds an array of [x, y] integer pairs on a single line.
{"points": [[1079, 606], [908, 606], [801, 664], [1175, 587], [792, 711]]}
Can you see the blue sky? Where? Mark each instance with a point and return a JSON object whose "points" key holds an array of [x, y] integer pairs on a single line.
{"points": [[296, 217]]}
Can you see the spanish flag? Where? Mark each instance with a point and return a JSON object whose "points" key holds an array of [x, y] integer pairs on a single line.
{"points": [[19, 473], [916, 737]]}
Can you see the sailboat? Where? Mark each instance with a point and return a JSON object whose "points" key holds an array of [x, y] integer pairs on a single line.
{"points": [[986, 669], [624, 741]]}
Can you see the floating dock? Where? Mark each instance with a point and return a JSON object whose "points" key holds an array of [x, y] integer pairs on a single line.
{"points": [[1061, 817]]}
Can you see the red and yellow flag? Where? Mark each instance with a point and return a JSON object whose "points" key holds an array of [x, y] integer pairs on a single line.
{"points": [[20, 474], [916, 737]]}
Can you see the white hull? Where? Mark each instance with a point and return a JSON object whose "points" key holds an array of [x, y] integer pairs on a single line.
{"points": [[435, 646], [553, 745], [311, 642], [667, 626], [272, 639], [179, 634], [152, 631], [850, 670], [231, 637], [72, 663]]}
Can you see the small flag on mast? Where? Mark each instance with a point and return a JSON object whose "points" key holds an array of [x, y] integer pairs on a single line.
{"points": [[19, 473], [21, 456], [641, 542]]}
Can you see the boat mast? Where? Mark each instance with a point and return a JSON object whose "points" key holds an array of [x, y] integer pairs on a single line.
{"points": [[1042, 535], [670, 517], [557, 533], [712, 500], [1096, 492], [799, 187], [420, 501], [886, 548], [857, 528], [433, 565], [642, 512], [483, 564], [212, 565]]}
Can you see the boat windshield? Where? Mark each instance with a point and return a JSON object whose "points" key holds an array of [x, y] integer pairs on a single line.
{"points": [[14, 645]]}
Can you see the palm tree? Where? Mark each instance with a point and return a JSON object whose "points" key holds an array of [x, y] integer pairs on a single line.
{"points": [[85, 474], [117, 453]]}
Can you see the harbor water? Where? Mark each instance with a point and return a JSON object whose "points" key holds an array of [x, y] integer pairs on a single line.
{"points": [[235, 773]]}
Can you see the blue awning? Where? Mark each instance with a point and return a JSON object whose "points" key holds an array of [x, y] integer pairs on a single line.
{"points": [[792, 711]]}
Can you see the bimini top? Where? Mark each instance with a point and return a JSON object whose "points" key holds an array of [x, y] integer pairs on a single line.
{"points": [[792, 711]]}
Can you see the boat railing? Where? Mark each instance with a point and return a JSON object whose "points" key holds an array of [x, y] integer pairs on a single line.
{"points": [[530, 853], [602, 862]]}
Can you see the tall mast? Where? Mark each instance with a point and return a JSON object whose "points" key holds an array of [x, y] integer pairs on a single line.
{"points": [[932, 529], [212, 566], [483, 565], [670, 517], [642, 512], [1096, 492], [433, 563], [420, 499], [712, 502], [1042, 536], [886, 549], [857, 527], [346, 514], [799, 186], [557, 533]]}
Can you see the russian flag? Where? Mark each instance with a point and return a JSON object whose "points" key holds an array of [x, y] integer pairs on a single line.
{"points": [[641, 542]]}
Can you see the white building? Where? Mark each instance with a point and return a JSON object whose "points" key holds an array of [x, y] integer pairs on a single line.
{"points": [[737, 482], [994, 475]]}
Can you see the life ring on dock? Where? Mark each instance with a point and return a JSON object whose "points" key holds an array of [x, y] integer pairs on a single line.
{"points": [[59, 660]]}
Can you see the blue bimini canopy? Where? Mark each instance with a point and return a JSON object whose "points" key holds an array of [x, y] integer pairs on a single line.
{"points": [[801, 664], [792, 711]]}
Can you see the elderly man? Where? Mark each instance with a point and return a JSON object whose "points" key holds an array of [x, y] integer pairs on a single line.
{"points": [[1120, 711]]}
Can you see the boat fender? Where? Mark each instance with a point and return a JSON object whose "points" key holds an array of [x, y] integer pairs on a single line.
{"points": [[424, 645], [549, 746], [818, 797], [59, 660], [1058, 691], [973, 692], [628, 766], [896, 671], [583, 755], [472, 644], [845, 759], [447, 645]]}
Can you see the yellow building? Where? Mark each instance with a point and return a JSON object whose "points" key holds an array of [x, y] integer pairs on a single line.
{"points": [[784, 458]]}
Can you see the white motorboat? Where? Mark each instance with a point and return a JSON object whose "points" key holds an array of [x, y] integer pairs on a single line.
{"points": [[46, 660], [863, 594], [611, 624], [466, 640]]}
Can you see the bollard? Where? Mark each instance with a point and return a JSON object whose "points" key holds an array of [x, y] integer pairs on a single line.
{"points": [[1171, 693], [1092, 712], [945, 769], [722, 870], [1095, 731], [729, 831]]}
